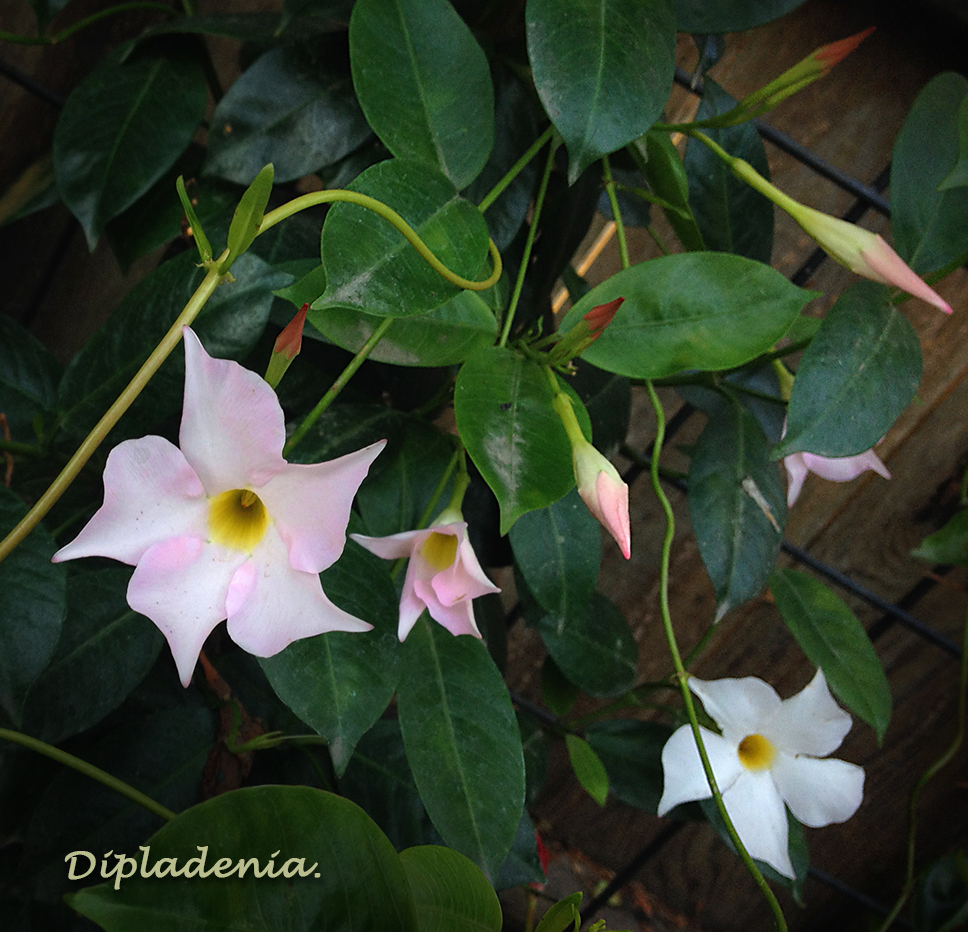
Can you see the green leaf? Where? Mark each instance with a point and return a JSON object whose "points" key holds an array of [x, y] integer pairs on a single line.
{"points": [[833, 639], [198, 234], [105, 650], [450, 892], [701, 16], [929, 228], [558, 693], [229, 326], [602, 68], [32, 608], [424, 84], [958, 176], [248, 216], [345, 428], [503, 405], [562, 915], [731, 215], [856, 377], [703, 311], [558, 549], [940, 901], [121, 129], [462, 742], [949, 545], [446, 335], [666, 174], [287, 108], [371, 267], [351, 876], [737, 505], [632, 754], [588, 768], [28, 379], [328, 680], [596, 649]]}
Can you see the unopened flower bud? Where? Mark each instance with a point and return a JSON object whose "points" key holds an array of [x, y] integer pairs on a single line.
{"points": [[287, 347]]}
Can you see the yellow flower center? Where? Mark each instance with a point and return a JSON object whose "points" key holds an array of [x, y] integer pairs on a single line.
{"points": [[440, 550], [756, 752], [237, 519]]}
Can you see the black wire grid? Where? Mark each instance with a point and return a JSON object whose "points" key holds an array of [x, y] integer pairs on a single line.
{"points": [[867, 197]]}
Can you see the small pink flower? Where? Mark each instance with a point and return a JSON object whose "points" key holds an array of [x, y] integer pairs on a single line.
{"points": [[834, 468], [223, 527], [604, 492], [443, 575]]}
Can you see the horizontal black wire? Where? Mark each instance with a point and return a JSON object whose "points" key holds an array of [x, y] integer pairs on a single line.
{"points": [[29, 84], [862, 898]]}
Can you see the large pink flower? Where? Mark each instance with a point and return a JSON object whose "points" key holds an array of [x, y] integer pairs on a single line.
{"points": [[443, 575], [834, 468], [224, 527]]}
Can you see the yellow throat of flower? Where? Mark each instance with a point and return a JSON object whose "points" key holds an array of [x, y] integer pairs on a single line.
{"points": [[237, 519], [440, 550], [756, 752]]}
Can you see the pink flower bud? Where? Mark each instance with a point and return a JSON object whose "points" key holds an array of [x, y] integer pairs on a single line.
{"points": [[598, 318], [286, 348], [835, 52], [604, 492]]}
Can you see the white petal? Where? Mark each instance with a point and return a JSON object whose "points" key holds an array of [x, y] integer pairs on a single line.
{"points": [[311, 506], [757, 812], [150, 494], [181, 585], [809, 722], [684, 779], [395, 546], [819, 792], [797, 471], [845, 468], [270, 605], [232, 428], [740, 707]]}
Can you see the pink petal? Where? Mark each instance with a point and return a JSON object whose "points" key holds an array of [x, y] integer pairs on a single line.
{"points": [[740, 707], [613, 498], [150, 495], [457, 618], [797, 471], [464, 578], [759, 817], [844, 468], [181, 585], [311, 506], [885, 265], [810, 722], [394, 546], [684, 779], [270, 604], [819, 792], [411, 605], [232, 428]]}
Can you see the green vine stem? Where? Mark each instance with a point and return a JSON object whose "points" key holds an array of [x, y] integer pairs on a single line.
{"points": [[682, 676], [528, 244], [515, 169], [623, 247], [84, 23], [331, 196], [121, 404], [928, 775], [89, 770]]}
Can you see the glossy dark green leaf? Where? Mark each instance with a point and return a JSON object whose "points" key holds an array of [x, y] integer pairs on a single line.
{"points": [[940, 901], [328, 680], [703, 311], [335, 870], [958, 176], [928, 224], [588, 768], [833, 639], [503, 404], [558, 693], [603, 70], [949, 545], [104, 651], [450, 892], [289, 109], [595, 650], [370, 266], [32, 607], [244, 27], [667, 177], [701, 16], [248, 216], [345, 428], [446, 335], [856, 377], [28, 379], [563, 916], [462, 742], [522, 865], [229, 326], [424, 84], [121, 129], [737, 505], [730, 214], [632, 754], [558, 549]]}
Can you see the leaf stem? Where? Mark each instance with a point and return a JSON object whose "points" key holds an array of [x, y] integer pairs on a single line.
{"points": [[515, 170], [394, 219], [528, 245], [89, 770], [623, 248], [338, 385], [681, 675], [121, 404], [87, 21]]}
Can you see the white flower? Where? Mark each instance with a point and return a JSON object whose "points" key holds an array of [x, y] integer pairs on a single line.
{"points": [[768, 754]]}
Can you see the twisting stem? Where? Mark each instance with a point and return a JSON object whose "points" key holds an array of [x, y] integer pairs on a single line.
{"points": [[338, 385], [681, 675], [393, 218], [89, 770], [90, 443], [515, 170], [623, 248]]}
